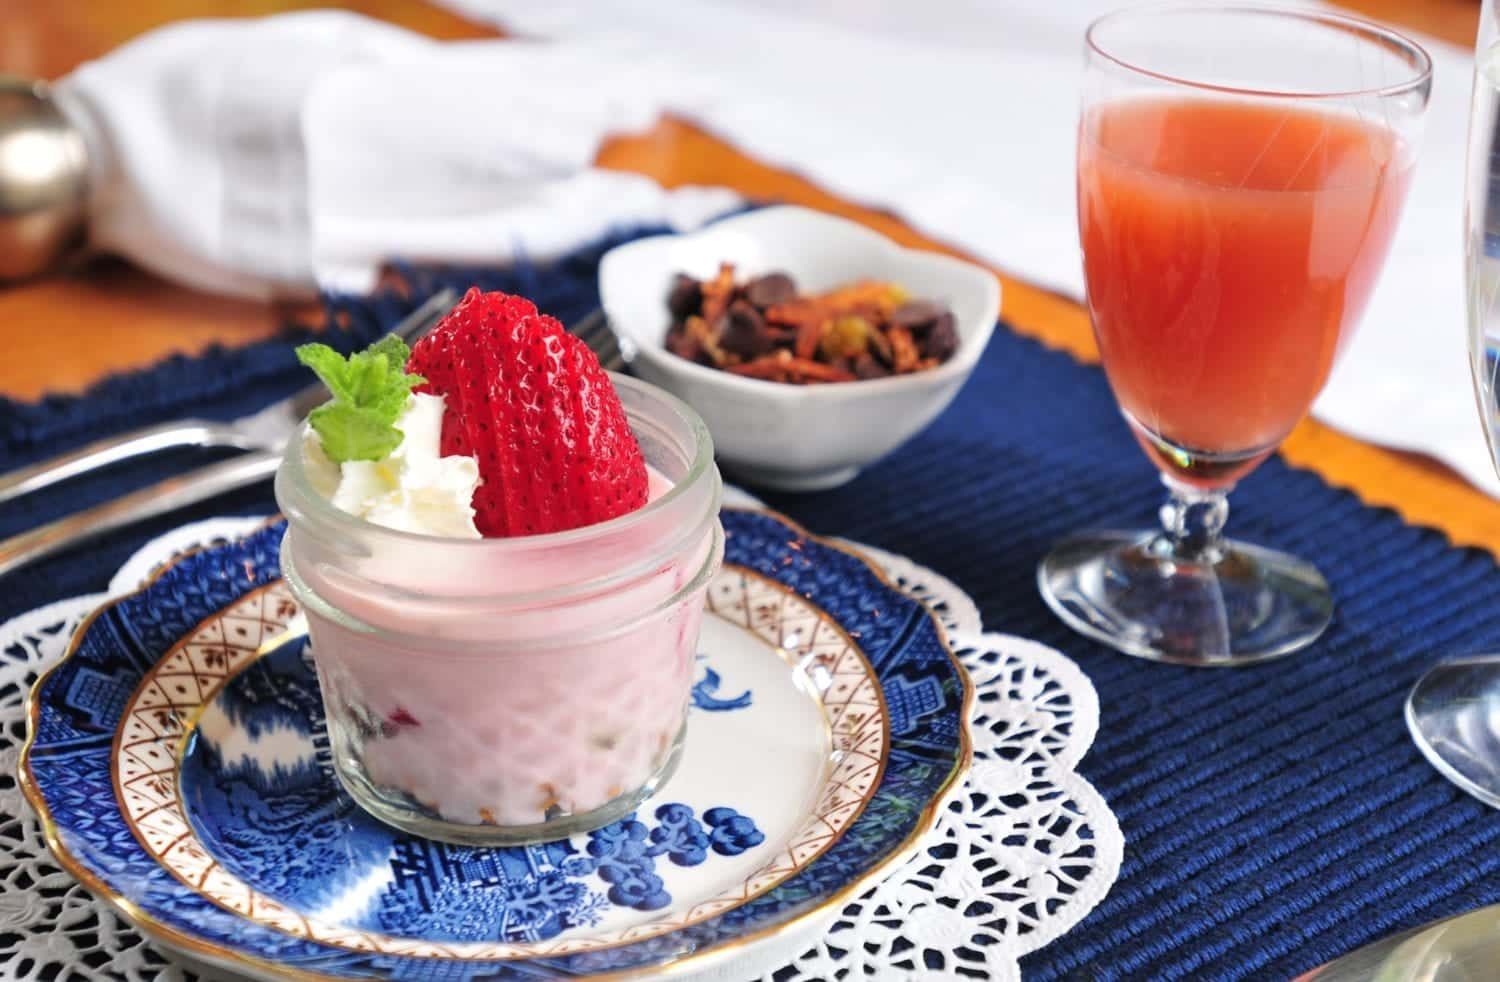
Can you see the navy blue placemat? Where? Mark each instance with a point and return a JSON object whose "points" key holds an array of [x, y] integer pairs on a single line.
{"points": [[1274, 817]]}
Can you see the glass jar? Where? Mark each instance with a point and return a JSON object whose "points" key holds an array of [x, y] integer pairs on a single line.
{"points": [[504, 691]]}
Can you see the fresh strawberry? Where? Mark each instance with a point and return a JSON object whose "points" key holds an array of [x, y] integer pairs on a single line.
{"points": [[435, 359], [533, 406]]}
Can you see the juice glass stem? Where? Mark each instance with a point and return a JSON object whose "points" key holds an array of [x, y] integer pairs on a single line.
{"points": [[1193, 520]]}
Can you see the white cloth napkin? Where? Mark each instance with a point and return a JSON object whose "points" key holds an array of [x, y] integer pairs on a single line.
{"points": [[959, 115], [266, 156]]}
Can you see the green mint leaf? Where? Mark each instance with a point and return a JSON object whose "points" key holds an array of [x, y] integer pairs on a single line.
{"points": [[370, 390], [331, 368], [393, 350], [353, 434]]}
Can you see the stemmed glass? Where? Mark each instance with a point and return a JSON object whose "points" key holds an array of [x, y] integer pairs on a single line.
{"points": [[1453, 711], [1241, 170]]}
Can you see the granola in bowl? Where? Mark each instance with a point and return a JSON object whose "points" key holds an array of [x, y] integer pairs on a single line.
{"points": [[762, 327]]}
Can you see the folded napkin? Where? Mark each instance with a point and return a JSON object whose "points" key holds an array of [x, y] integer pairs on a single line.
{"points": [[959, 115], [268, 156]]}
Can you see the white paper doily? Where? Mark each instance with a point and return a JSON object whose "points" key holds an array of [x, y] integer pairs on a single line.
{"points": [[1025, 850]]}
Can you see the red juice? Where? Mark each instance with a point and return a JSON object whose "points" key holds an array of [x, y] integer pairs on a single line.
{"points": [[1229, 248]]}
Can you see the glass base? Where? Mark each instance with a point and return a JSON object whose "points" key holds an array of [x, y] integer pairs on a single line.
{"points": [[1453, 713], [1236, 605], [398, 809]]}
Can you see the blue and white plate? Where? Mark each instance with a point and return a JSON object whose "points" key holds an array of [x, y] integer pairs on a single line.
{"points": [[177, 758]]}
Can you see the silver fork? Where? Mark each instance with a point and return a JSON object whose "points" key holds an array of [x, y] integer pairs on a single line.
{"points": [[262, 434]]}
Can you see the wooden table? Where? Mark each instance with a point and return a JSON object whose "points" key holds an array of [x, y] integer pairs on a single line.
{"points": [[96, 308]]}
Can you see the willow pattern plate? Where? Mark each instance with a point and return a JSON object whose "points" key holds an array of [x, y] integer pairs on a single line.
{"points": [[178, 759]]}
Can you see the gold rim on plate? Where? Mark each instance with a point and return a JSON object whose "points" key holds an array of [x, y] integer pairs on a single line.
{"points": [[692, 961]]}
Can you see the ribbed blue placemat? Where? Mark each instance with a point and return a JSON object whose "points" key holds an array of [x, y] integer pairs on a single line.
{"points": [[1274, 817]]}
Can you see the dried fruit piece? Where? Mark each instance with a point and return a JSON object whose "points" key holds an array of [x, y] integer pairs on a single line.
{"points": [[846, 337], [914, 315], [942, 337], [806, 370], [744, 331], [770, 289], [794, 313], [884, 297], [684, 345], [809, 335], [866, 367], [685, 298], [808, 319]]}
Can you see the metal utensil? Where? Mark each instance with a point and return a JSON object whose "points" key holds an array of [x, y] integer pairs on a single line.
{"points": [[158, 499], [238, 472], [1465, 948], [263, 433], [267, 429], [43, 180]]}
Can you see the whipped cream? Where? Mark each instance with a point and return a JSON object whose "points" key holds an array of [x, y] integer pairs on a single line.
{"points": [[415, 489]]}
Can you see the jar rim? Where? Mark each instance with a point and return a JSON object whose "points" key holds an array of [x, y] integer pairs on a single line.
{"points": [[464, 647], [322, 510]]}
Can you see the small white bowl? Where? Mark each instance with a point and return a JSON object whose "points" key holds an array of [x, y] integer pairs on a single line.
{"points": [[796, 437]]}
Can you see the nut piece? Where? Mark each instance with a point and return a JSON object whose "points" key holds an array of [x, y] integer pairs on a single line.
{"points": [[782, 366], [772, 367], [904, 350], [880, 344], [699, 331], [717, 293]]}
